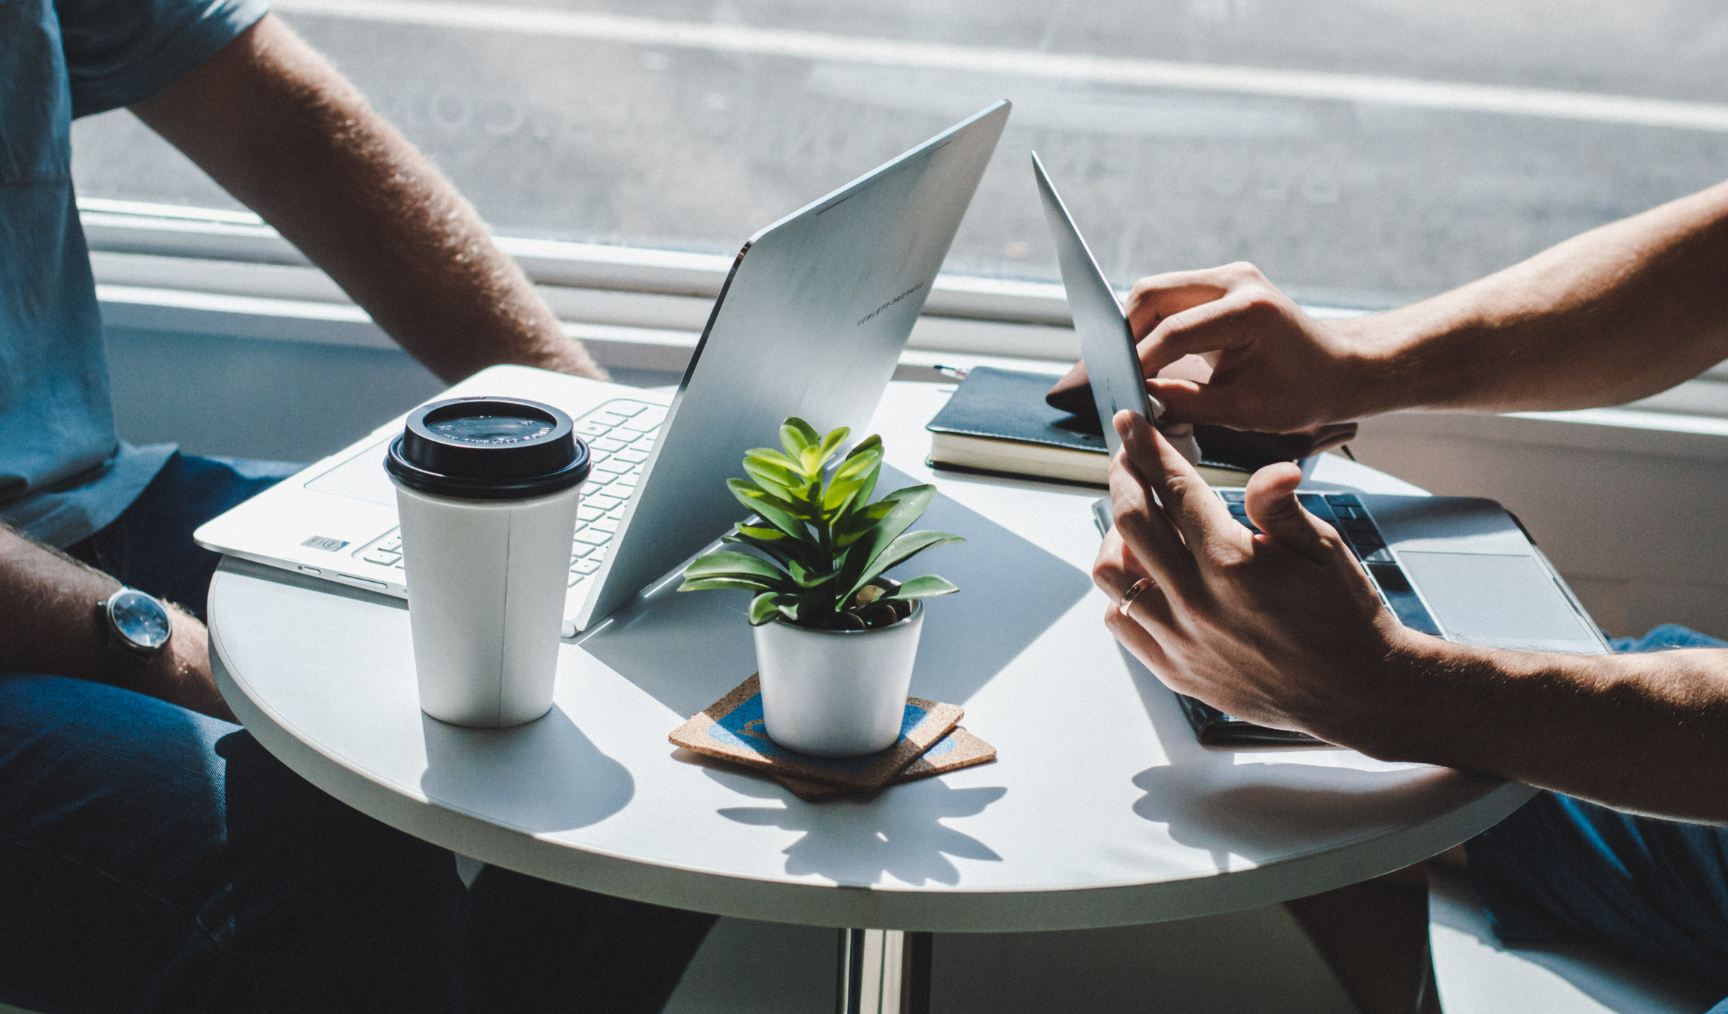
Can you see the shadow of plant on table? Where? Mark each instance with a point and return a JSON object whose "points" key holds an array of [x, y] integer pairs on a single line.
{"points": [[857, 842]]}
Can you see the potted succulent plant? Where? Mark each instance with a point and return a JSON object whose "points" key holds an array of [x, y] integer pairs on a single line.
{"points": [[835, 639]]}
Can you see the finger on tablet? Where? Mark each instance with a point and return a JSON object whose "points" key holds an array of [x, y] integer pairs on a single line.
{"points": [[1143, 528], [1195, 511], [1189, 401]]}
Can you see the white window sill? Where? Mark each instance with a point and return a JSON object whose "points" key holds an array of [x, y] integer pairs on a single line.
{"points": [[212, 272]]}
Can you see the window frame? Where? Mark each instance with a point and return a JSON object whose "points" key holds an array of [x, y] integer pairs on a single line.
{"points": [[217, 271]]}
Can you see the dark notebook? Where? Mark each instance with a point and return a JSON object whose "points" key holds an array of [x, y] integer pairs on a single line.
{"points": [[1009, 405], [997, 423]]}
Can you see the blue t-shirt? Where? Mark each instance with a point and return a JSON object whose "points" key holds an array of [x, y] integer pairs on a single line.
{"points": [[64, 473]]}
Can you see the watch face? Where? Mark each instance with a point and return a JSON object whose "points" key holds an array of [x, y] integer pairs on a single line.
{"points": [[140, 619]]}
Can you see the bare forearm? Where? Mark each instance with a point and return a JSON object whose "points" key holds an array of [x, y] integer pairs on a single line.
{"points": [[1638, 732], [1610, 316], [49, 624], [281, 130]]}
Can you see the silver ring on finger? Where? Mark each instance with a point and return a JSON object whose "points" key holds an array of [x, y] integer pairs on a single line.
{"points": [[1134, 591]]}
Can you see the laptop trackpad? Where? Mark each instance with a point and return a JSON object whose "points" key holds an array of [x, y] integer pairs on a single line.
{"points": [[1498, 602], [361, 477]]}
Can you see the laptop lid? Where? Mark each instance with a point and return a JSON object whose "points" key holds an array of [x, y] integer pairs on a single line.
{"points": [[811, 322]]}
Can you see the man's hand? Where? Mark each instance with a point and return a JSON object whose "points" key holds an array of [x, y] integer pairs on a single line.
{"points": [[181, 675], [1281, 629], [1274, 368], [50, 625], [1616, 314]]}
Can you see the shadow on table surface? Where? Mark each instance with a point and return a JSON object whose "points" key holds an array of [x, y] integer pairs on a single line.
{"points": [[1231, 802], [500, 772], [854, 843], [688, 650]]}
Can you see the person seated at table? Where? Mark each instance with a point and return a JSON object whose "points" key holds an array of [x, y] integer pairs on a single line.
{"points": [[152, 855], [1626, 849]]}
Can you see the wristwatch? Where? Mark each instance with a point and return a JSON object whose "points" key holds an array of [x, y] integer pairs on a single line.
{"points": [[136, 623]]}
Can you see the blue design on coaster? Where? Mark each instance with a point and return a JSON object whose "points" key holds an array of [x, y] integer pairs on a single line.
{"points": [[742, 728], [944, 745]]}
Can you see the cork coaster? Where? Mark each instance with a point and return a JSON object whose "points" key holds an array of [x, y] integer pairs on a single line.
{"points": [[959, 749], [731, 729]]}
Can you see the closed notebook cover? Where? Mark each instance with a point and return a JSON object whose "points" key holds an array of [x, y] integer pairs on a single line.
{"points": [[1009, 405]]}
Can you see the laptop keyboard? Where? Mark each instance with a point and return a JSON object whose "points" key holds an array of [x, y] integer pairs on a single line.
{"points": [[619, 434], [1346, 513]]}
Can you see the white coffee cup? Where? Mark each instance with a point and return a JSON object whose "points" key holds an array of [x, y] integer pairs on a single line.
{"points": [[487, 491]]}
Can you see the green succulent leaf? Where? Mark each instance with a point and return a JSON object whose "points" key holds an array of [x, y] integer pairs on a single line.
{"points": [[861, 458], [899, 551], [781, 550], [855, 487], [796, 435], [779, 482], [823, 544], [772, 509], [750, 493], [858, 523], [768, 606], [771, 456], [924, 587], [723, 563], [808, 578], [786, 470], [908, 505], [725, 584], [833, 440], [868, 487]]}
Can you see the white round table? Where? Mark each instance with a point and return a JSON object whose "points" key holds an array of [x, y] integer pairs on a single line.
{"points": [[1101, 810]]}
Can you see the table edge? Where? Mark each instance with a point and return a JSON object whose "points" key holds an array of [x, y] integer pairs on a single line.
{"points": [[909, 908]]}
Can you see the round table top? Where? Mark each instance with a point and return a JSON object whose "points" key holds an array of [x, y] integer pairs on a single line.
{"points": [[1101, 810]]}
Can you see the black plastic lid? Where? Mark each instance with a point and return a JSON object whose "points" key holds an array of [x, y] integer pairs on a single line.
{"points": [[488, 449]]}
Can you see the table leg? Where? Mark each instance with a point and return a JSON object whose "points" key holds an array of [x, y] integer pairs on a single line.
{"points": [[883, 972]]}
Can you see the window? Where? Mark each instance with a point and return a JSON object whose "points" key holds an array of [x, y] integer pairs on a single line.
{"points": [[1362, 152], [1378, 151]]}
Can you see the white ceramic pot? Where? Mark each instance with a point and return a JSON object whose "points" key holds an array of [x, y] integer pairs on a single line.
{"points": [[836, 693]]}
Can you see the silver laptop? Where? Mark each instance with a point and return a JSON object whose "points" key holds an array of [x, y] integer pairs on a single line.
{"points": [[811, 322], [1455, 567]]}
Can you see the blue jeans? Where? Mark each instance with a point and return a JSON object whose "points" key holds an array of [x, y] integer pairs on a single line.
{"points": [[153, 859], [1562, 870]]}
